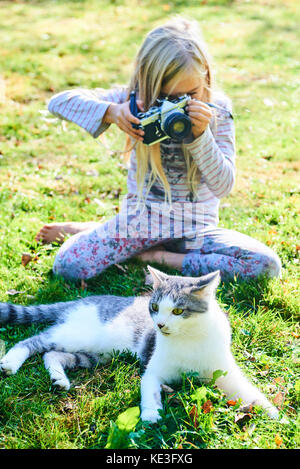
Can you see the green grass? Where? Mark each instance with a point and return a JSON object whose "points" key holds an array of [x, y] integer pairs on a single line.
{"points": [[48, 46]]}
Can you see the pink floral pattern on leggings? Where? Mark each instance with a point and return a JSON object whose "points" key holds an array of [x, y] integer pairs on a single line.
{"points": [[89, 253]]}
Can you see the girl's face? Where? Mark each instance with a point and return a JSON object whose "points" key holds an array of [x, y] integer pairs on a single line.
{"points": [[186, 83]]}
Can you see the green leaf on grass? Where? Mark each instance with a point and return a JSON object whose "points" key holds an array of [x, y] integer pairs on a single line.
{"points": [[216, 375], [199, 395], [127, 420], [119, 430]]}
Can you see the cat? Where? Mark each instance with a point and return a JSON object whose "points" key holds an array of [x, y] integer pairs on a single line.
{"points": [[177, 328]]}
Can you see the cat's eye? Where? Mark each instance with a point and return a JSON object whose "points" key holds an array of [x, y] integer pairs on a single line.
{"points": [[154, 306], [177, 311]]}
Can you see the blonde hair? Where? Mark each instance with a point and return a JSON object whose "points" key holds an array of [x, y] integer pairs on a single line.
{"points": [[166, 52]]}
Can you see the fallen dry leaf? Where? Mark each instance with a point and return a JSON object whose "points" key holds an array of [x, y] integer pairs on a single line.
{"points": [[83, 285], [278, 380], [26, 258], [207, 407], [279, 399], [194, 416], [231, 403], [278, 440]]}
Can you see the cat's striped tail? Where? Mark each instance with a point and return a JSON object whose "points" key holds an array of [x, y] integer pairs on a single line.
{"points": [[18, 314]]}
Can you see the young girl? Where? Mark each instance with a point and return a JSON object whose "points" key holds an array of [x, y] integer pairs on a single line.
{"points": [[171, 62]]}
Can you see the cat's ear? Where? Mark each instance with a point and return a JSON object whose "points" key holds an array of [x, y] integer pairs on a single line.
{"points": [[207, 284], [157, 276]]}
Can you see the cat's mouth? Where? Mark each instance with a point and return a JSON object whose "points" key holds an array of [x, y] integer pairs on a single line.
{"points": [[164, 332]]}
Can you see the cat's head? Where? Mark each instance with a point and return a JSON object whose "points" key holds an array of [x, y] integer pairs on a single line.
{"points": [[178, 303]]}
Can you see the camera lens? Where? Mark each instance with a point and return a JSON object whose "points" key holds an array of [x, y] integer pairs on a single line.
{"points": [[177, 125]]}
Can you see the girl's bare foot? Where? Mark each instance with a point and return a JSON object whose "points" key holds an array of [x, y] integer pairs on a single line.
{"points": [[162, 256], [152, 254], [56, 232]]}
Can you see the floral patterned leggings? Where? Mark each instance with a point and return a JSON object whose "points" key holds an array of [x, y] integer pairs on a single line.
{"points": [[89, 253]]}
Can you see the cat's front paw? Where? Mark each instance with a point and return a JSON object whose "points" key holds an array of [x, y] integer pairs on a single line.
{"points": [[9, 367], [62, 383], [150, 415]]}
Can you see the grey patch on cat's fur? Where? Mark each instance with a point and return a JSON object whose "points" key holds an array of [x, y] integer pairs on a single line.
{"points": [[38, 344], [149, 346], [12, 314], [138, 333], [18, 314], [179, 289], [109, 306], [84, 359]]}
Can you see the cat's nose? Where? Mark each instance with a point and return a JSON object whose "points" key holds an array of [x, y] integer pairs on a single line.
{"points": [[160, 325]]}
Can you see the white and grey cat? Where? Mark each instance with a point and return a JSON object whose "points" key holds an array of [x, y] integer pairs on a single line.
{"points": [[178, 328]]}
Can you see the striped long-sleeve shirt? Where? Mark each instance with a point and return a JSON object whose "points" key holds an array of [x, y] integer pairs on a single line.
{"points": [[213, 152]]}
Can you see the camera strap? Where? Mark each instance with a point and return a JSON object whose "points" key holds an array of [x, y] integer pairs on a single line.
{"points": [[133, 106]]}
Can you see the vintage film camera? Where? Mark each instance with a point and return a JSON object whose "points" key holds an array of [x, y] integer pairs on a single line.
{"points": [[166, 120]]}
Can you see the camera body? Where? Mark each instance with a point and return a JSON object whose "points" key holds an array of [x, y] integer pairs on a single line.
{"points": [[168, 119]]}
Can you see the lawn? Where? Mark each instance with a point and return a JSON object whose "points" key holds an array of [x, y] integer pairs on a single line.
{"points": [[51, 172]]}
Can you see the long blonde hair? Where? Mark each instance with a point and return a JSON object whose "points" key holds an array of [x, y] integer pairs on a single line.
{"points": [[166, 52]]}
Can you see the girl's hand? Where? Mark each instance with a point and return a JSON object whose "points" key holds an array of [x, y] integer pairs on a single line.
{"points": [[120, 115], [200, 115]]}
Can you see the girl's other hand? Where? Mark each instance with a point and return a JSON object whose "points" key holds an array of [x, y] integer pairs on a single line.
{"points": [[120, 115], [200, 115]]}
